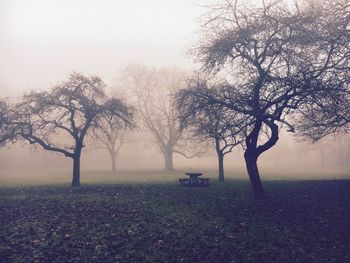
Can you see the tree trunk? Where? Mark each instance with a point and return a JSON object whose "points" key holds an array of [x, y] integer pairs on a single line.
{"points": [[221, 167], [347, 154], [114, 166], [322, 157], [254, 176], [113, 156], [219, 153], [168, 160], [76, 171], [253, 151]]}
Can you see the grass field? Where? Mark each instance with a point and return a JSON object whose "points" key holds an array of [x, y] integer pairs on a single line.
{"points": [[158, 221], [49, 177]]}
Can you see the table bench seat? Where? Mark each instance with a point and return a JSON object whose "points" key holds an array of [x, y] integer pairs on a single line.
{"points": [[194, 180], [183, 181], [204, 181]]}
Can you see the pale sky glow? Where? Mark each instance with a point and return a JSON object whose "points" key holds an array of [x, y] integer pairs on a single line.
{"points": [[43, 40], [42, 20]]}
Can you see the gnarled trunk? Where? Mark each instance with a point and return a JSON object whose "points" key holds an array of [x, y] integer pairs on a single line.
{"points": [[254, 176], [253, 151]]}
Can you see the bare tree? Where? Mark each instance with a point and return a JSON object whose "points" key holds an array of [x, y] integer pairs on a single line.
{"points": [[3, 122], [59, 120], [328, 113], [111, 136], [7, 129], [210, 122], [272, 58], [154, 90]]}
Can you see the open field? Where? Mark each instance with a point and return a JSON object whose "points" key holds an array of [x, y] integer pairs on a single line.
{"points": [[48, 177], [158, 221]]}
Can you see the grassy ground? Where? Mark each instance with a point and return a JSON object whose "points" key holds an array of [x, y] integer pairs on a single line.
{"points": [[49, 177], [301, 221]]}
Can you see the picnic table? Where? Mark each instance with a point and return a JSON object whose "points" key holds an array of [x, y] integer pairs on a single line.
{"points": [[194, 180]]}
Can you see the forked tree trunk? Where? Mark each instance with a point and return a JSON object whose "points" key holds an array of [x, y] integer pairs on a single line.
{"points": [[253, 151], [254, 176], [221, 167], [76, 171]]}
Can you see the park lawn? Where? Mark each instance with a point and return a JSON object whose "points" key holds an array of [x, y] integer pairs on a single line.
{"points": [[301, 221]]}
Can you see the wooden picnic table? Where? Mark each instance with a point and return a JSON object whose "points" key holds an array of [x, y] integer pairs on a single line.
{"points": [[193, 181]]}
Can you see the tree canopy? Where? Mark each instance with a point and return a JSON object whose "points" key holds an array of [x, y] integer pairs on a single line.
{"points": [[153, 91], [58, 120], [269, 60], [211, 122]]}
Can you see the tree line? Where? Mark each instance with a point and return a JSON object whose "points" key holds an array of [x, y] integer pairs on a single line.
{"points": [[262, 68]]}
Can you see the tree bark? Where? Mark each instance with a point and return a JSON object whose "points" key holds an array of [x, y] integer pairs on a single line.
{"points": [[253, 151], [253, 172], [168, 160], [76, 171], [221, 167]]}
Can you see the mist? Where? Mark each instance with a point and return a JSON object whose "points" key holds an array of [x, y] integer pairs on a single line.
{"points": [[43, 41], [174, 131], [289, 159]]}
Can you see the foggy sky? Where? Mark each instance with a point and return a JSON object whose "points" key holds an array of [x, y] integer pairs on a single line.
{"points": [[42, 41]]}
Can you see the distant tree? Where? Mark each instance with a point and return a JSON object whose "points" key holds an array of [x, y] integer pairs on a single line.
{"points": [[271, 58], [58, 120], [154, 90], [7, 128], [210, 122], [321, 147], [110, 136], [328, 112], [343, 149]]}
